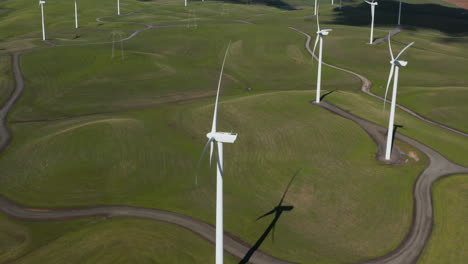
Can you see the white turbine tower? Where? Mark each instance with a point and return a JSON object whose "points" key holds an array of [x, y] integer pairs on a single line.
{"points": [[315, 8], [76, 15], [372, 4], [42, 3], [320, 34], [185, 2], [399, 14], [219, 138], [118, 7], [396, 64]]}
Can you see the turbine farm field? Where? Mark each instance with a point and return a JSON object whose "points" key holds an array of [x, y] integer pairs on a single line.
{"points": [[114, 124]]}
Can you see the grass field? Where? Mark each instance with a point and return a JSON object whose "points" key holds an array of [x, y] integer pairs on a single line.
{"points": [[449, 238], [147, 168], [99, 240], [130, 129]]}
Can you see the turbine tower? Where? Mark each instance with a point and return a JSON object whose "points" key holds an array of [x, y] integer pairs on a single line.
{"points": [[320, 34], [395, 68], [219, 138], [118, 7], [76, 15], [42, 3], [372, 4]]}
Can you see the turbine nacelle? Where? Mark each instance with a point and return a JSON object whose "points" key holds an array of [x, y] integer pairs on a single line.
{"points": [[223, 137], [42, 2], [399, 63], [372, 3], [324, 32]]}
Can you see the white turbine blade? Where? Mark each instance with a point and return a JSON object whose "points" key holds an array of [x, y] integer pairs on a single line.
{"points": [[201, 158], [388, 83], [403, 50], [215, 115], [211, 152], [218, 164], [390, 47], [318, 22], [315, 45]]}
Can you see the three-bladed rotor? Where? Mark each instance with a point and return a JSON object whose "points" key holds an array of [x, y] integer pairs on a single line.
{"points": [[320, 33], [395, 63], [215, 136]]}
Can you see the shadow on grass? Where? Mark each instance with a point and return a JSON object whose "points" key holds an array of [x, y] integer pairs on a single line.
{"points": [[326, 94], [273, 3], [277, 211], [449, 20]]}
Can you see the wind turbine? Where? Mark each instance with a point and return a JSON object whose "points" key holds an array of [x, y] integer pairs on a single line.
{"points": [[399, 14], [42, 3], [320, 34], [372, 4], [396, 64], [76, 15], [219, 138], [118, 7]]}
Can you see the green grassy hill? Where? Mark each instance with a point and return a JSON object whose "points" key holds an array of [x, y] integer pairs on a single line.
{"points": [[95, 129]]}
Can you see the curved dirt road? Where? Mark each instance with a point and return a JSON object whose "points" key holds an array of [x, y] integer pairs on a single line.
{"points": [[367, 84], [232, 245], [412, 246]]}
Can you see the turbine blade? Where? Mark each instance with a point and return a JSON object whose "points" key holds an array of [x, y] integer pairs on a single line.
{"points": [[390, 47], [315, 46], [215, 115], [403, 50], [218, 164], [388, 84], [201, 158], [211, 152], [318, 23], [267, 214]]}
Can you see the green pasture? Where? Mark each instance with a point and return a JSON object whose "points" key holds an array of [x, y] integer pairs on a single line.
{"points": [[132, 158], [125, 123], [449, 237], [99, 240]]}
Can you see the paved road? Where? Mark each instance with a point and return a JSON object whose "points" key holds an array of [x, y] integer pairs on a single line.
{"points": [[411, 248], [367, 84]]}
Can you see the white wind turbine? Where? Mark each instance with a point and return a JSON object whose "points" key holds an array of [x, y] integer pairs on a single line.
{"points": [[320, 34], [219, 138], [42, 3], [396, 64], [372, 4], [76, 15]]}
